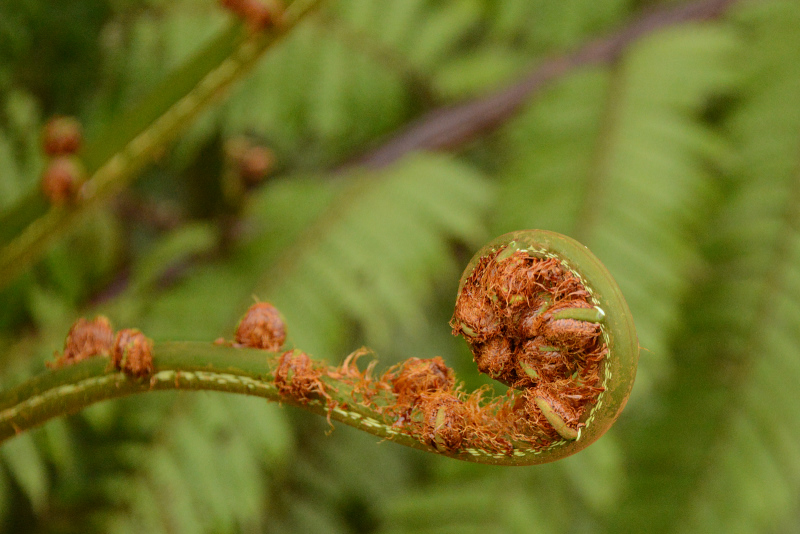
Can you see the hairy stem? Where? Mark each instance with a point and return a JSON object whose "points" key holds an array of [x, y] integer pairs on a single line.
{"points": [[197, 366], [131, 141], [540, 312]]}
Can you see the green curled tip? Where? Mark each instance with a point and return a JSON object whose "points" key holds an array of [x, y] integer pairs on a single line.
{"points": [[555, 420], [592, 315]]}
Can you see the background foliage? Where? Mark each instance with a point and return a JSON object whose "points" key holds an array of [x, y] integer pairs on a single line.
{"points": [[678, 164]]}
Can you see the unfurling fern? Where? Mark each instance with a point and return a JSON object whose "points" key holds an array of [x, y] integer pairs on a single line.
{"points": [[672, 154]]}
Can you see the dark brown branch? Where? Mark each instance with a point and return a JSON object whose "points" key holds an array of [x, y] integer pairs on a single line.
{"points": [[450, 127]]}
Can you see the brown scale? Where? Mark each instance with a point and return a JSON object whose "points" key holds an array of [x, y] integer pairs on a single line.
{"points": [[297, 377], [527, 420], [86, 339], [476, 315], [514, 287], [261, 327], [521, 341], [444, 420], [364, 388], [535, 364], [488, 425], [494, 357], [563, 407], [415, 377], [571, 334], [133, 353], [529, 321]]}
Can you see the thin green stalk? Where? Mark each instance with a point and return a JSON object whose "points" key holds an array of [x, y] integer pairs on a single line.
{"points": [[180, 366], [131, 141]]}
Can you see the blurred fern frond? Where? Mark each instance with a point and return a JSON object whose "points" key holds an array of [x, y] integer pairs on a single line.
{"points": [[207, 467], [630, 143], [732, 403], [375, 256]]}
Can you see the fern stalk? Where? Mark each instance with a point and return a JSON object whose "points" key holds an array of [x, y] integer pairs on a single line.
{"points": [[133, 140], [575, 314], [190, 366]]}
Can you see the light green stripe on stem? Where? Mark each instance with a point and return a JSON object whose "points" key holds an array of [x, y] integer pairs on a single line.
{"points": [[205, 366], [179, 366]]}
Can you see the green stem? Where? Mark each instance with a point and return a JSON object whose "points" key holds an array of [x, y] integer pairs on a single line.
{"points": [[130, 142], [205, 366], [416, 403], [180, 366]]}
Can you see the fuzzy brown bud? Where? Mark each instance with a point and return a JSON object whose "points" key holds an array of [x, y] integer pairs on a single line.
{"points": [[86, 339], [133, 353], [297, 377], [494, 357], [62, 179], [255, 163], [262, 327], [444, 419], [61, 136], [417, 376]]}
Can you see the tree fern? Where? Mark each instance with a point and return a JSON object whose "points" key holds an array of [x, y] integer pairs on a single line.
{"points": [[168, 463], [739, 363]]}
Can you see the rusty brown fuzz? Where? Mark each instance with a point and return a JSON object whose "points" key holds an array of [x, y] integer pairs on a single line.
{"points": [[133, 353], [86, 339], [414, 377], [529, 324], [261, 327], [62, 179], [298, 377], [61, 135]]}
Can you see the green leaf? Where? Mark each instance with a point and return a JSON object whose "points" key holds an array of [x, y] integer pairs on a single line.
{"points": [[27, 467], [375, 255], [187, 241], [727, 429]]}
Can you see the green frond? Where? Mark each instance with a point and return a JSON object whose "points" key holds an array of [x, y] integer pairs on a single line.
{"points": [[729, 424], [620, 159], [27, 467], [317, 95], [549, 145], [157, 41], [650, 184], [485, 504], [375, 256], [542, 25], [207, 470]]}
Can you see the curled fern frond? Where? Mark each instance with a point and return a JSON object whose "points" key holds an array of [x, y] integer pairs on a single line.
{"points": [[544, 316], [541, 313]]}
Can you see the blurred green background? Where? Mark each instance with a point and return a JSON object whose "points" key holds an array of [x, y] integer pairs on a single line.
{"points": [[677, 163]]}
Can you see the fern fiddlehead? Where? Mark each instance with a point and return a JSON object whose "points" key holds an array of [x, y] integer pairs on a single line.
{"points": [[540, 312]]}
